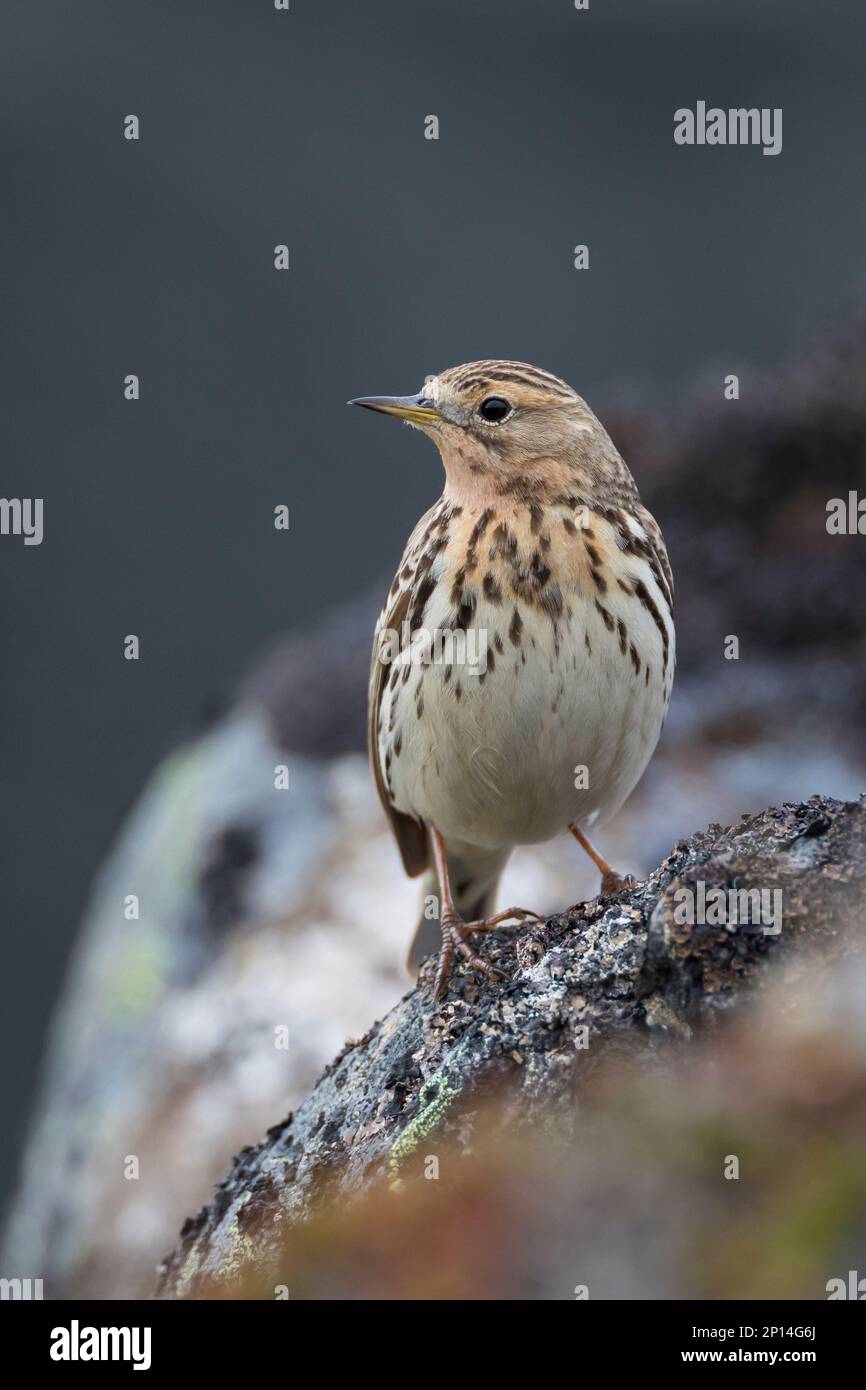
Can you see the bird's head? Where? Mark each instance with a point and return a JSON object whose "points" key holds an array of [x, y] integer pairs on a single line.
{"points": [[507, 427]]}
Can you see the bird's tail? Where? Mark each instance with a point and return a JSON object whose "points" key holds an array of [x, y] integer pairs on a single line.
{"points": [[474, 881]]}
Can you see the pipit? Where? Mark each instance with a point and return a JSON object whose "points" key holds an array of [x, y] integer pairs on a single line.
{"points": [[523, 661]]}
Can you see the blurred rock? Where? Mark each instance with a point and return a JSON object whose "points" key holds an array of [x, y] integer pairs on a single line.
{"points": [[258, 911]]}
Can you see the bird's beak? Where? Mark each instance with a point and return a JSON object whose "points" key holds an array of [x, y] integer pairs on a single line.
{"points": [[418, 410]]}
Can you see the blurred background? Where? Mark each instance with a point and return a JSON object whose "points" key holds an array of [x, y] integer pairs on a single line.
{"points": [[155, 257]]}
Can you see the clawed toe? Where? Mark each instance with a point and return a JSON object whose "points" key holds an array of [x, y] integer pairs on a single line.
{"points": [[476, 961], [612, 883], [454, 937], [515, 915]]}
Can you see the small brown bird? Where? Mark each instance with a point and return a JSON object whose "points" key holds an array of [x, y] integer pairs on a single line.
{"points": [[523, 660]]}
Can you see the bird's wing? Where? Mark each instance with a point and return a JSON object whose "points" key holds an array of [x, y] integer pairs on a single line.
{"points": [[409, 833], [656, 539]]}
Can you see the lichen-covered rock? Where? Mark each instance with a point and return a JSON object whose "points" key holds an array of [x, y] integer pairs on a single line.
{"points": [[608, 980]]}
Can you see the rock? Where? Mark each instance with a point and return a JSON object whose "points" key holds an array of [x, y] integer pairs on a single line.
{"points": [[607, 982], [166, 1050]]}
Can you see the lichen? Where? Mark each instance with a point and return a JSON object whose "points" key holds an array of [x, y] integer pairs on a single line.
{"points": [[447, 1083], [242, 1249], [189, 1270], [138, 981]]}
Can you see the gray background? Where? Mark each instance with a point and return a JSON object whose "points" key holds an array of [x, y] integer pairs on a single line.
{"points": [[407, 256]]}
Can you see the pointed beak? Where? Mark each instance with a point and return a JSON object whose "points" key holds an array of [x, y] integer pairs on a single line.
{"points": [[417, 410]]}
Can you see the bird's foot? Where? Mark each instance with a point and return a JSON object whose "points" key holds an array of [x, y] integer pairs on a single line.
{"points": [[516, 915], [612, 883], [454, 934]]}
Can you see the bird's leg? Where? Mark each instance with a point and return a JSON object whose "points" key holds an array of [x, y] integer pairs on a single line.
{"points": [[611, 881], [452, 923], [455, 930]]}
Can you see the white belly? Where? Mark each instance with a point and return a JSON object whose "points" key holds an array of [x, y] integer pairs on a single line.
{"points": [[546, 738]]}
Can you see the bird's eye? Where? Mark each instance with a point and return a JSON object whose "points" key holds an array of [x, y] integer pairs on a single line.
{"points": [[494, 409]]}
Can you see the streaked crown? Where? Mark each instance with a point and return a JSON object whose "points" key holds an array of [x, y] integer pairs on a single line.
{"points": [[529, 384]]}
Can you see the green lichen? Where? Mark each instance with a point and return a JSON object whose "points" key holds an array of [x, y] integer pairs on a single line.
{"points": [[138, 979], [446, 1084], [187, 1273]]}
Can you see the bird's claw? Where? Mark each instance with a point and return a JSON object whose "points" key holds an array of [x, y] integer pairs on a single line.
{"points": [[613, 883], [454, 934]]}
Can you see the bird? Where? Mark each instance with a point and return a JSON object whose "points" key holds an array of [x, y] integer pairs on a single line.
{"points": [[523, 659]]}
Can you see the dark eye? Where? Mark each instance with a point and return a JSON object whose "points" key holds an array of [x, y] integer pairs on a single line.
{"points": [[494, 409]]}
